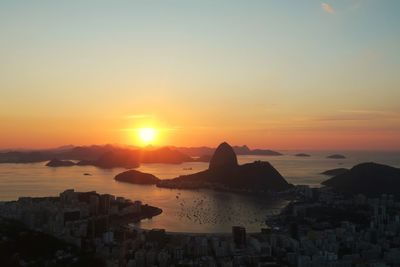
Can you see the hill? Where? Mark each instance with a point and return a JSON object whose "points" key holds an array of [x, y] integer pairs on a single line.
{"points": [[239, 150], [370, 179]]}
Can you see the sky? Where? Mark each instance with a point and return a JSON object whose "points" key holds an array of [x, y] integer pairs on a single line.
{"points": [[270, 74]]}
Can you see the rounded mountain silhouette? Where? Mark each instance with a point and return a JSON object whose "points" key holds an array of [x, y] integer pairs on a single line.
{"points": [[224, 157]]}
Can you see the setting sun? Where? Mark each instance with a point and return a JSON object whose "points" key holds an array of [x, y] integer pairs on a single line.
{"points": [[147, 135]]}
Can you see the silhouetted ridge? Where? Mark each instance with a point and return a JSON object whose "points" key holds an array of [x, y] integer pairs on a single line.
{"points": [[113, 159], [106, 156], [369, 179], [239, 150]]}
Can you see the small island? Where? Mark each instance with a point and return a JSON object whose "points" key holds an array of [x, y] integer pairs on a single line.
{"points": [[334, 172], [136, 177], [304, 155], [60, 163], [245, 150], [336, 156]]}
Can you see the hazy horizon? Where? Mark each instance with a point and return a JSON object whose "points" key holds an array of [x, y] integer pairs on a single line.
{"points": [[209, 146]]}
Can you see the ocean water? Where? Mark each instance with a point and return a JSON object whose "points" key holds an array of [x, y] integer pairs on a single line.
{"points": [[199, 211]]}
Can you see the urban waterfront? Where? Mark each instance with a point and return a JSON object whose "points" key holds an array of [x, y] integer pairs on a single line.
{"points": [[197, 211]]}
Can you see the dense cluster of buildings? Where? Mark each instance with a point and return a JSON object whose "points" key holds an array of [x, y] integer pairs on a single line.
{"points": [[158, 248], [79, 218], [320, 228], [330, 229]]}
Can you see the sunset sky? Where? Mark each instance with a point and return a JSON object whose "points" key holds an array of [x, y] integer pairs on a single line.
{"points": [[269, 74]]}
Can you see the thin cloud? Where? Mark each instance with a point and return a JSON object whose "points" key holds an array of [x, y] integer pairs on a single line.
{"points": [[327, 8]]}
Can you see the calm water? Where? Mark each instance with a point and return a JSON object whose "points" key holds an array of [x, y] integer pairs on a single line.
{"points": [[184, 210]]}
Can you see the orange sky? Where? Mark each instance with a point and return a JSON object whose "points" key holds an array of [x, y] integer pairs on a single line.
{"points": [[306, 133], [270, 74]]}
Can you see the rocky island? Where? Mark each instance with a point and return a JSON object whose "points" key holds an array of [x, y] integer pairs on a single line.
{"points": [[224, 173], [336, 156], [370, 179], [304, 155], [136, 177], [60, 163]]}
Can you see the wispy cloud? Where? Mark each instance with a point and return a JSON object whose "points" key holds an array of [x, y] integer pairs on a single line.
{"points": [[327, 8]]}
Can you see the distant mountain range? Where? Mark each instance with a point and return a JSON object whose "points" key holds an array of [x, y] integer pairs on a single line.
{"points": [[106, 156], [109, 156], [239, 150]]}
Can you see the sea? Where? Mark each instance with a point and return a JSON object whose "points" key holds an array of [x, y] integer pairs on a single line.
{"points": [[189, 211]]}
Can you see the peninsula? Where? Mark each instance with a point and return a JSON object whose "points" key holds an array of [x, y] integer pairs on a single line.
{"points": [[225, 173]]}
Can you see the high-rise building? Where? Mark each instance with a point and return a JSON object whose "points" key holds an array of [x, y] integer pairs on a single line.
{"points": [[105, 203], [94, 204], [239, 236], [294, 231], [157, 236]]}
